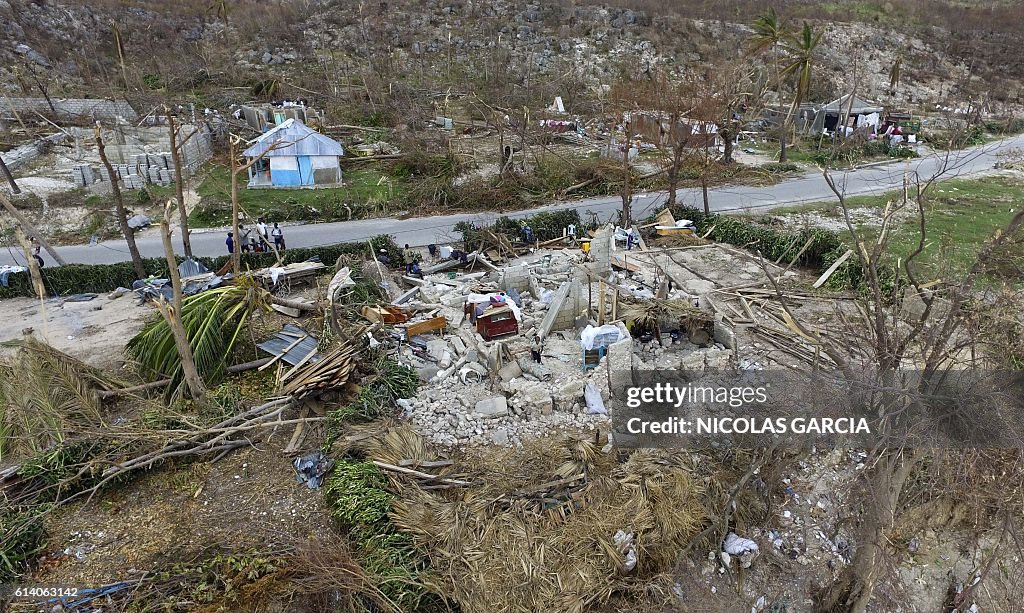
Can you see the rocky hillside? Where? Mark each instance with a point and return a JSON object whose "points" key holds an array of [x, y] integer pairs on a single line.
{"points": [[513, 51]]}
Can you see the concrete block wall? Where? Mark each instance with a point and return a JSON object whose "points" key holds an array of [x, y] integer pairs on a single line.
{"points": [[601, 250], [515, 277], [140, 156], [566, 305], [69, 108], [19, 156]]}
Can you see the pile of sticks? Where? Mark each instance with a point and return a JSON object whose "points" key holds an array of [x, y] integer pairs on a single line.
{"points": [[330, 372], [219, 439]]}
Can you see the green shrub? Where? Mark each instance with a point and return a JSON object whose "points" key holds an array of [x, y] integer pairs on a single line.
{"points": [[357, 496], [22, 536], [100, 278], [780, 167], [546, 226]]}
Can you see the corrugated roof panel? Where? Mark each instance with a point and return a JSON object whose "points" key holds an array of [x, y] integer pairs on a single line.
{"points": [[293, 138], [288, 335], [191, 268]]}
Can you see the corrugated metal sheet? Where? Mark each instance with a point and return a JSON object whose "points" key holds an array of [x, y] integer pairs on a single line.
{"points": [[293, 138], [286, 337], [191, 268]]}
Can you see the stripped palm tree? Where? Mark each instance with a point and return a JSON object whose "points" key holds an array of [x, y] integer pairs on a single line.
{"points": [[769, 36], [801, 48]]}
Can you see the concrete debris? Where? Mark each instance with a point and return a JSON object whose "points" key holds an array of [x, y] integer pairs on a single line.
{"points": [[570, 307], [492, 407]]}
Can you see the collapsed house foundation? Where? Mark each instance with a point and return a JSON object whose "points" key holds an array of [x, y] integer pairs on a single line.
{"points": [[585, 323]]}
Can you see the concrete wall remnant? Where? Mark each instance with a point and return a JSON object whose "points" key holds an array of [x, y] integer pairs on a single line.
{"points": [[565, 306], [514, 277], [141, 156], [69, 109], [601, 247]]}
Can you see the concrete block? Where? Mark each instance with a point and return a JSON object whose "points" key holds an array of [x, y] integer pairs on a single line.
{"points": [[493, 407]]}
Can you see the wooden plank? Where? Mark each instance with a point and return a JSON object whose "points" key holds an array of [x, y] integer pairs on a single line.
{"points": [[621, 262], [422, 327], [298, 365], [831, 269]]}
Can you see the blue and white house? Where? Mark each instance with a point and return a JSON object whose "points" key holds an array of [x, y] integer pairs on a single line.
{"points": [[294, 155]]}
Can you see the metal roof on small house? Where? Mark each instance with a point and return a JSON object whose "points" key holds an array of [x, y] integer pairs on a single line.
{"points": [[293, 138], [842, 104]]}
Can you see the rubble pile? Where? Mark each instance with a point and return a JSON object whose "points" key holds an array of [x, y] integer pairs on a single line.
{"points": [[485, 386]]}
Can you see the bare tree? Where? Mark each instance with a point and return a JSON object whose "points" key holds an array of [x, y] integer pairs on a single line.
{"points": [[177, 147], [120, 211], [172, 313], [936, 335], [237, 168], [626, 188], [23, 221]]}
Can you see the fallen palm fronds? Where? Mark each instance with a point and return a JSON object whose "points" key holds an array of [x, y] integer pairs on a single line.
{"points": [[213, 321], [319, 575], [551, 527], [44, 396], [654, 315]]}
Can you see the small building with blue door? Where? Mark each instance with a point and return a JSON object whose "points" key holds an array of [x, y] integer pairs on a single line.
{"points": [[294, 155]]}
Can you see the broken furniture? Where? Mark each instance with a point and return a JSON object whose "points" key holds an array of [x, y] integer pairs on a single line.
{"points": [[497, 321], [422, 327], [281, 279], [384, 314]]}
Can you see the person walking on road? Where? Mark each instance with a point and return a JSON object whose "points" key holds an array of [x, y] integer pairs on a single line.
{"points": [[36, 248], [230, 242], [244, 235], [278, 237]]}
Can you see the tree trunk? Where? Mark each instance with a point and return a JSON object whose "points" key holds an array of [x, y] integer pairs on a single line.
{"points": [[852, 591], [9, 177], [673, 173], [31, 229], [33, 266], [727, 138], [295, 304], [122, 214], [782, 143], [704, 192], [236, 253], [196, 387], [179, 185]]}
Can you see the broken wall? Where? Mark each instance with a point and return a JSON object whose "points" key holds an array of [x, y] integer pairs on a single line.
{"points": [[566, 305], [70, 108], [142, 155]]}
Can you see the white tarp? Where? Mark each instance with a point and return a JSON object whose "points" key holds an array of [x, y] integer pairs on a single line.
{"points": [[595, 404], [341, 280], [600, 337]]}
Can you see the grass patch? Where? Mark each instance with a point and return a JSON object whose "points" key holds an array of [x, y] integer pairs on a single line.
{"points": [[369, 191], [960, 217]]}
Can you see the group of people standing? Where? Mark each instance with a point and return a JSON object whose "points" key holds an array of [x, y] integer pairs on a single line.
{"points": [[259, 243]]}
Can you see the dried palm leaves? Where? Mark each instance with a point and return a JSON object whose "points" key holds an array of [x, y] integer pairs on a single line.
{"points": [[537, 531], [46, 395]]}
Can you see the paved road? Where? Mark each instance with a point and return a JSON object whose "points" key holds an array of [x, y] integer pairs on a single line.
{"points": [[419, 231]]}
